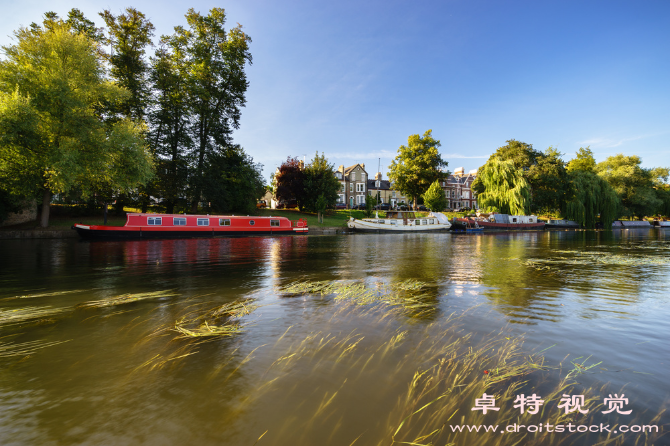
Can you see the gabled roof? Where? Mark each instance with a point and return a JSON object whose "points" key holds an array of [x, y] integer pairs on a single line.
{"points": [[350, 168]]}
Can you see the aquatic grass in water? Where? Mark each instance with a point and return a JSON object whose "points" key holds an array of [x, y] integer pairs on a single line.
{"points": [[28, 314], [125, 299], [580, 258], [11, 349], [221, 321], [406, 294]]}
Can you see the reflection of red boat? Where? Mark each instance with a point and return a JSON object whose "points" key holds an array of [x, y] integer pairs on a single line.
{"points": [[181, 226]]}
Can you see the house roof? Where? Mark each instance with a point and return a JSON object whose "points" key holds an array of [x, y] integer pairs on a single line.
{"points": [[350, 168], [384, 185]]}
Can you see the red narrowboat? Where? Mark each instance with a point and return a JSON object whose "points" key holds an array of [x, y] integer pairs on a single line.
{"points": [[186, 226]]}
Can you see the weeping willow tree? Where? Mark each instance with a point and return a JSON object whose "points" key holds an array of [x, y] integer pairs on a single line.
{"points": [[503, 188], [593, 196]]}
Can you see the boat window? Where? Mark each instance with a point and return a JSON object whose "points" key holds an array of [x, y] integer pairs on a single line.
{"points": [[514, 220], [274, 222], [393, 222], [179, 221], [251, 222], [431, 222], [203, 222], [224, 221], [156, 221], [417, 222], [423, 222], [381, 221]]}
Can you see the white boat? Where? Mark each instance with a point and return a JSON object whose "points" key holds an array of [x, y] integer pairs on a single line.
{"points": [[401, 221]]}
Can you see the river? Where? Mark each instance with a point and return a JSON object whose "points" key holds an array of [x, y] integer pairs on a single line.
{"points": [[402, 342]]}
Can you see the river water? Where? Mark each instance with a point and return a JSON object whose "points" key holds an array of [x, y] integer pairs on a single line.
{"points": [[411, 331]]}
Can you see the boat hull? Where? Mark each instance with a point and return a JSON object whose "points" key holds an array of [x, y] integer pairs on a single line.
{"points": [[119, 232], [490, 226]]}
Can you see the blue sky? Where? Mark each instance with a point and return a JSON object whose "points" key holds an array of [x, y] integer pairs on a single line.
{"points": [[353, 79]]}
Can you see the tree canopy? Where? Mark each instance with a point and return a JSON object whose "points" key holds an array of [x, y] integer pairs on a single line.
{"points": [[417, 166], [583, 161], [434, 198], [53, 131], [593, 198], [633, 183], [289, 181], [504, 188], [319, 182]]}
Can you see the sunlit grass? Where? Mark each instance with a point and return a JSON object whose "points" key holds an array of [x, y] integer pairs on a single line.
{"points": [[125, 299], [28, 314]]}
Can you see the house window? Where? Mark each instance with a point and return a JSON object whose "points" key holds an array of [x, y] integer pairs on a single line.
{"points": [[360, 199], [352, 176], [179, 221], [224, 221], [448, 204], [393, 194], [474, 205], [338, 175], [362, 177], [274, 222], [453, 193], [351, 187], [360, 187], [155, 221], [340, 198], [342, 187], [466, 194], [251, 222], [203, 222]]}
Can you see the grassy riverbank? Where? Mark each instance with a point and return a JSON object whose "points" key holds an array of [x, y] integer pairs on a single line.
{"points": [[62, 218]]}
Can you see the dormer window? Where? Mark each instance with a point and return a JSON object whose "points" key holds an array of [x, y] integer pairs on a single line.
{"points": [[378, 183]]}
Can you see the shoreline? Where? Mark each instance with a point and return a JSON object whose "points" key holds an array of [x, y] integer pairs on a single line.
{"points": [[15, 234]]}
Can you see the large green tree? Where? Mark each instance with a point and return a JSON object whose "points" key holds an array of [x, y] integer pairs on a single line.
{"points": [[503, 187], [129, 36], [594, 199], [169, 120], [633, 183], [232, 181], [417, 166], [216, 85], [320, 185], [53, 136], [545, 174]]}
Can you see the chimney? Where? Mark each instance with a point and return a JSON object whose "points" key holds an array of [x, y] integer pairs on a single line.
{"points": [[341, 169], [363, 166], [378, 176]]}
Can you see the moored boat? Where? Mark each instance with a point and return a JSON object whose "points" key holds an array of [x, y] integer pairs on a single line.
{"points": [[401, 221], [561, 224], [465, 225], [505, 222], [186, 226]]}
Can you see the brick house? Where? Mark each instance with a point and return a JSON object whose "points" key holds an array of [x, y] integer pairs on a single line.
{"points": [[353, 185], [458, 189]]}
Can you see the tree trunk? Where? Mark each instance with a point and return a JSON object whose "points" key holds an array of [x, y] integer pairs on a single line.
{"points": [[105, 211], [46, 202]]}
